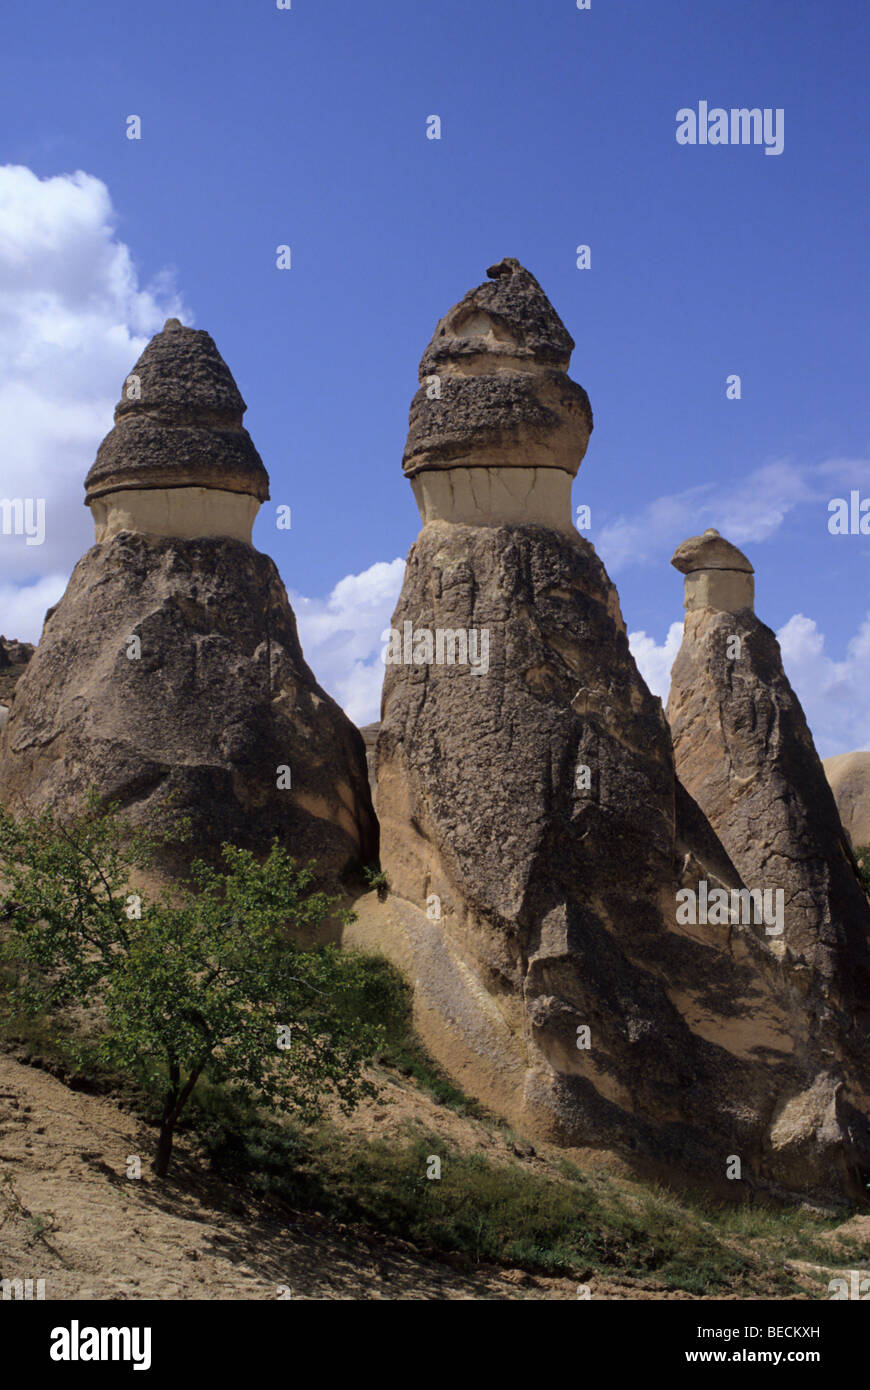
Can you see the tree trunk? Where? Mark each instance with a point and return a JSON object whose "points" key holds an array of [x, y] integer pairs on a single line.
{"points": [[172, 1108], [167, 1121], [164, 1147]]}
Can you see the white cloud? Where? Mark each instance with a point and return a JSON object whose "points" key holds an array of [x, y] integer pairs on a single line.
{"points": [[73, 320], [23, 607], [833, 693], [342, 636], [745, 510], [653, 661]]}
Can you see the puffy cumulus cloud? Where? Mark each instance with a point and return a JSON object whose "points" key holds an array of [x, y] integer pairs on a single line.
{"points": [[343, 636], [833, 693], [73, 320], [653, 661], [746, 510], [23, 607]]}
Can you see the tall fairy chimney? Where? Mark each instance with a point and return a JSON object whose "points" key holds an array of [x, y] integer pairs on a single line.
{"points": [[536, 840], [744, 752]]}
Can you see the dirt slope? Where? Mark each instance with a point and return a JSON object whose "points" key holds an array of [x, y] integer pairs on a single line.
{"points": [[108, 1236]]}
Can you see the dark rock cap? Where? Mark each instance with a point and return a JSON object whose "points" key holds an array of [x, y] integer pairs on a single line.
{"points": [[511, 309], [709, 552], [182, 427], [501, 356]]}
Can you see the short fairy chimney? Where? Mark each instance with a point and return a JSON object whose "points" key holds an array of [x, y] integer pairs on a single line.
{"points": [[718, 575], [498, 429], [744, 752], [179, 461]]}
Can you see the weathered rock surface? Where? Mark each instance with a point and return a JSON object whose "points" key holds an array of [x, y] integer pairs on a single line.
{"points": [[535, 837], [744, 751], [170, 675], [182, 424], [218, 701], [849, 778], [15, 653], [718, 575], [370, 739]]}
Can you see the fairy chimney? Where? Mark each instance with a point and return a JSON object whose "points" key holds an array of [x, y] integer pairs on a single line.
{"points": [[169, 678], [534, 835], [744, 751]]}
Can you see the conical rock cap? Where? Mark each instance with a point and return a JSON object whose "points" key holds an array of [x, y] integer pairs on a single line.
{"points": [[179, 423]]}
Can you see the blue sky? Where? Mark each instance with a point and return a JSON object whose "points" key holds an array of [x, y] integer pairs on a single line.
{"points": [[307, 127]]}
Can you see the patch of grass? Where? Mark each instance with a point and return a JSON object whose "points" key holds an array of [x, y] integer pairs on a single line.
{"points": [[784, 1232], [478, 1209]]}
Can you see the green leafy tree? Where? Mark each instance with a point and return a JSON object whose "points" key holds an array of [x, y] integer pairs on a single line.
{"points": [[204, 980]]}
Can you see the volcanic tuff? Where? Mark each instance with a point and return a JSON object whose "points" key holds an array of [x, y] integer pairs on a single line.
{"points": [[14, 656], [179, 461], [535, 835], [179, 423], [170, 675], [744, 751]]}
